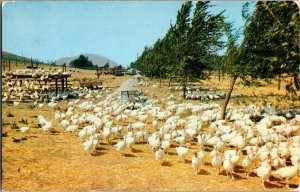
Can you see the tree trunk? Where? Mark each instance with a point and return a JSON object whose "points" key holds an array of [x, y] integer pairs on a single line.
{"points": [[219, 75], [279, 81], [159, 80], [184, 87], [228, 96], [296, 80], [170, 81]]}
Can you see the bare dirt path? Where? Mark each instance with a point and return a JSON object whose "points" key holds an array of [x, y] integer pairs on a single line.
{"points": [[129, 84]]}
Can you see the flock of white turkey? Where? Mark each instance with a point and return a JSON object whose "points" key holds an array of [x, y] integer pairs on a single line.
{"points": [[270, 146], [35, 89]]}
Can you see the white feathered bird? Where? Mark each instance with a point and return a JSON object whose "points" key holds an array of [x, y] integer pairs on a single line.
{"points": [[121, 145], [24, 129], [288, 172], [264, 172], [159, 154], [196, 162]]}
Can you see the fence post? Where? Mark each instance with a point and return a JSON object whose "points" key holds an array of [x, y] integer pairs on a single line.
{"points": [[56, 87], [66, 82], [3, 64], [62, 84]]}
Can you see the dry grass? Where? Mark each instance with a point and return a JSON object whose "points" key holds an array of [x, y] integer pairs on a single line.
{"points": [[268, 94], [58, 162]]}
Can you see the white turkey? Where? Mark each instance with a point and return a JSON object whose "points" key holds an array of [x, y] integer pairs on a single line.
{"points": [[24, 129], [288, 172], [217, 163], [182, 153], [71, 128], [121, 145], [264, 172], [247, 163], [165, 145], [88, 145], [159, 154], [129, 142], [201, 155], [196, 162], [228, 166]]}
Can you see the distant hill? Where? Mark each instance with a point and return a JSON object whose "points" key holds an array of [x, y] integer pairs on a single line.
{"points": [[96, 59], [11, 56]]}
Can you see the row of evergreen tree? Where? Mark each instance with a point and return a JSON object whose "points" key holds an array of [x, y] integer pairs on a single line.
{"points": [[189, 50]]}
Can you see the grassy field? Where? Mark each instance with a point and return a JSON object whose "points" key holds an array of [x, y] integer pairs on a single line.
{"points": [[57, 161]]}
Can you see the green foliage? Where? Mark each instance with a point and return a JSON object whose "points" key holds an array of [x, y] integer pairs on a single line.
{"points": [[269, 47], [272, 39], [233, 63], [82, 62], [106, 65], [189, 47]]}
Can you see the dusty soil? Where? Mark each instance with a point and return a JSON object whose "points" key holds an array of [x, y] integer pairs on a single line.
{"points": [[58, 162]]}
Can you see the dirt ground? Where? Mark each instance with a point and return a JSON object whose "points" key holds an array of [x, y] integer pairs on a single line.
{"points": [[266, 94], [58, 162]]}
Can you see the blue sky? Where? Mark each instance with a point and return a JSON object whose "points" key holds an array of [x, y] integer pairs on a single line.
{"points": [[118, 30]]}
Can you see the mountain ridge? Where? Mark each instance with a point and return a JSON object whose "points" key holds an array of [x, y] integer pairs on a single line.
{"points": [[12, 56], [95, 58]]}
